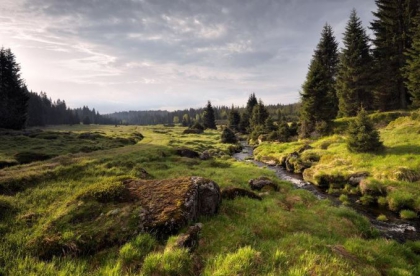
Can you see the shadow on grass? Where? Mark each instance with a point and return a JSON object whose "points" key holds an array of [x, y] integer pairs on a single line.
{"points": [[402, 150]]}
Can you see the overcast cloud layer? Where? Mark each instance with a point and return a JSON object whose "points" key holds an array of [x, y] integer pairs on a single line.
{"points": [[118, 55]]}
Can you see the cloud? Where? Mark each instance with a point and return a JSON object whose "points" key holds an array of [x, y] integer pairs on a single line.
{"points": [[169, 50]]}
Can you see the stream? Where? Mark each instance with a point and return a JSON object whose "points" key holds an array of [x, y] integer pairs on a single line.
{"points": [[395, 228]]}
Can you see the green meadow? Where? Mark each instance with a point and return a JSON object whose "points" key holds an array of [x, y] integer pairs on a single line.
{"points": [[288, 232]]}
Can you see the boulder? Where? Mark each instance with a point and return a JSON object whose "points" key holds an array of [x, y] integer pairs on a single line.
{"points": [[159, 207], [232, 193], [356, 179], [205, 155], [187, 153], [262, 182], [190, 239]]}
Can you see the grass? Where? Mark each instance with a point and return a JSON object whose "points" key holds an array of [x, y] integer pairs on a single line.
{"points": [[393, 175], [75, 196]]}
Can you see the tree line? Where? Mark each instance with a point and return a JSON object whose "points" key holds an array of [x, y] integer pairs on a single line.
{"points": [[20, 108], [379, 73]]}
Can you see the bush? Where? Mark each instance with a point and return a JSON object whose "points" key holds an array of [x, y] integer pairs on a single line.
{"points": [[228, 137], [408, 214], [362, 136]]}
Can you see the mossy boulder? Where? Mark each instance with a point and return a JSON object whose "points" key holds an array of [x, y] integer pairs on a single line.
{"points": [[109, 214], [262, 183], [184, 152]]}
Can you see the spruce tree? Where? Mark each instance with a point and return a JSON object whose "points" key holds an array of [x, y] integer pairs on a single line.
{"points": [[244, 124], [392, 39], [234, 119], [259, 115], [354, 73], [362, 136], [14, 95], [318, 97], [208, 117], [412, 68]]}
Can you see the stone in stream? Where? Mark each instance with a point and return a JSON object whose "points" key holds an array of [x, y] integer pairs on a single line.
{"points": [[262, 182]]}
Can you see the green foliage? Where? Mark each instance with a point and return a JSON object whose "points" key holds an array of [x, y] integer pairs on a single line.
{"points": [[13, 92], [354, 74], [234, 120], [412, 68], [208, 117], [362, 136], [392, 37], [86, 120], [318, 96], [259, 115], [228, 136]]}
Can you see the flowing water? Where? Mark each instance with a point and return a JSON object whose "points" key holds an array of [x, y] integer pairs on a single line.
{"points": [[394, 228]]}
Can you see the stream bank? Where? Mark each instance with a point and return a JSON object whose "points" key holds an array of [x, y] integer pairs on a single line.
{"points": [[395, 228]]}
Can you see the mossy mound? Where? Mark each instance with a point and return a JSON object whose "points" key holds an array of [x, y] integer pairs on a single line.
{"points": [[109, 214], [29, 157]]}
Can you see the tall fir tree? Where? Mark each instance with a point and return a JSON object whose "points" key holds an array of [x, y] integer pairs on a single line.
{"points": [[234, 119], [244, 124], [14, 95], [355, 70], [318, 96], [208, 117], [412, 68], [392, 38], [259, 115]]}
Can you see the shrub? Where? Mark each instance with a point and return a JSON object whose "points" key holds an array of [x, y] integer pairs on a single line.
{"points": [[408, 214], [197, 125], [362, 136], [228, 137]]}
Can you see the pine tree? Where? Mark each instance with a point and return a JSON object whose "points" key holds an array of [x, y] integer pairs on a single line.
{"points": [[14, 95], [354, 73], [228, 136], [259, 115], [319, 100], [244, 124], [234, 119], [392, 39], [208, 117], [412, 68], [362, 136]]}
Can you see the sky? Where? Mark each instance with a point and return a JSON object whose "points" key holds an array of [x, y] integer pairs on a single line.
{"points": [[120, 55]]}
